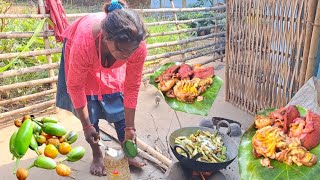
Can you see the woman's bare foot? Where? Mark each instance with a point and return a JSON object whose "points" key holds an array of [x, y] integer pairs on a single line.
{"points": [[97, 167], [135, 163]]}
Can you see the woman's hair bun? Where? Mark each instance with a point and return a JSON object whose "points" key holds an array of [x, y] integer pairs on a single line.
{"points": [[108, 4]]}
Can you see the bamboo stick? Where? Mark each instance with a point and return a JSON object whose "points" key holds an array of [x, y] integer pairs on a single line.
{"points": [[185, 30], [28, 108], [160, 10], [185, 59], [143, 146], [28, 83], [177, 26], [227, 91], [173, 43], [12, 35], [184, 21], [142, 153], [32, 69], [314, 46], [16, 16], [311, 14], [169, 54], [47, 43], [30, 53], [26, 97]]}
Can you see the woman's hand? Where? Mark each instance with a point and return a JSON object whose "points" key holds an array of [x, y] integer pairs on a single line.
{"points": [[91, 135], [130, 134]]}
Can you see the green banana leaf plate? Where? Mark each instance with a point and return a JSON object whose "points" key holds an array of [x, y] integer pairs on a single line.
{"points": [[199, 108], [250, 168]]}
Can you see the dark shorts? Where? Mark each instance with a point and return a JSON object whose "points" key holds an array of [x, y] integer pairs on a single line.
{"points": [[109, 108]]}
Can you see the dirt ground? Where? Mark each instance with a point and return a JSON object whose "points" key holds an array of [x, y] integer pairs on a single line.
{"points": [[154, 123]]}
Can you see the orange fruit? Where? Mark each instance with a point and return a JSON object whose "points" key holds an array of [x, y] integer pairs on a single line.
{"points": [[22, 174], [51, 151], [64, 148], [63, 170]]}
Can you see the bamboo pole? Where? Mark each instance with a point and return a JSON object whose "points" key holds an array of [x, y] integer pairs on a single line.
{"points": [[177, 26], [12, 35], [109, 130], [26, 97], [30, 53], [47, 43], [184, 21], [314, 47], [169, 54], [184, 30], [39, 68], [186, 59], [160, 10], [143, 146], [28, 108], [29, 83], [311, 14], [173, 43]]}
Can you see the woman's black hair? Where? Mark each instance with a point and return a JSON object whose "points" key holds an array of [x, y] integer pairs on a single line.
{"points": [[123, 25]]}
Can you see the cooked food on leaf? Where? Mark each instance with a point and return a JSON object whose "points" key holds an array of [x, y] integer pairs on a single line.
{"points": [[184, 82], [286, 136]]}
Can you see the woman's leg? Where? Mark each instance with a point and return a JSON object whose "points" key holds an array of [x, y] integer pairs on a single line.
{"points": [[119, 126]]}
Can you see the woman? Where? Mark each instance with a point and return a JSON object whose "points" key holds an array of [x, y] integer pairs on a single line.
{"points": [[101, 69]]}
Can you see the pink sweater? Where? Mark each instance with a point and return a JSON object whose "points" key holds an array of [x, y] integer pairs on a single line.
{"points": [[86, 76]]}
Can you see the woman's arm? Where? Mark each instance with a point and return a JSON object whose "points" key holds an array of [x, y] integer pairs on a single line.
{"points": [[132, 86]]}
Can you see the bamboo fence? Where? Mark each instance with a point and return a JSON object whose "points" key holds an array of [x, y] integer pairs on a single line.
{"points": [[270, 50], [46, 98]]}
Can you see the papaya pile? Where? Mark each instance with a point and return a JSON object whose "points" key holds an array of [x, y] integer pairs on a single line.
{"points": [[32, 134]]}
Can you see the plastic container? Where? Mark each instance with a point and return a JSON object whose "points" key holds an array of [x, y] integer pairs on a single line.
{"points": [[117, 166]]}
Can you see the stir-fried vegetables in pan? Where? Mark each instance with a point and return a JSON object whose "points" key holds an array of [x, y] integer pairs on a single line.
{"points": [[210, 146]]}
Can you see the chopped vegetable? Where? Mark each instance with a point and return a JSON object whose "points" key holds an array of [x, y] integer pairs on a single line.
{"points": [[209, 145]]}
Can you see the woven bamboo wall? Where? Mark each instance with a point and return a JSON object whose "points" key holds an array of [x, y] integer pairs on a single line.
{"points": [[268, 56]]}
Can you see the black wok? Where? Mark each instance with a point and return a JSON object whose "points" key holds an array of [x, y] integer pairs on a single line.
{"points": [[232, 149]]}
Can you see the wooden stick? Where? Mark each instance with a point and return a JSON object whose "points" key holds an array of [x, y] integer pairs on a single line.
{"points": [[26, 97], [184, 21], [12, 35], [314, 46], [28, 108], [16, 16], [47, 44], [173, 53], [143, 146], [39, 68], [173, 43], [30, 53], [143, 154], [28, 83], [185, 30]]}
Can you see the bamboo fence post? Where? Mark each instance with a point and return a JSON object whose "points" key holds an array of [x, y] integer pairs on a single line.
{"points": [[227, 93], [28, 108], [47, 43], [177, 25], [311, 14], [314, 45]]}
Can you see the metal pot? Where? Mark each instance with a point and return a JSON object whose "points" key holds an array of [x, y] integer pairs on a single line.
{"points": [[191, 163]]}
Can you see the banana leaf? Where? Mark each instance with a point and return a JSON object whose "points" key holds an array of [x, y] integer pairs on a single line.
{"points": [[250, 168], [199, 108]]}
